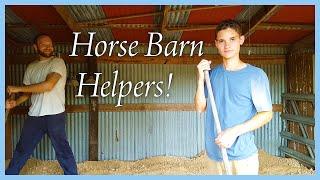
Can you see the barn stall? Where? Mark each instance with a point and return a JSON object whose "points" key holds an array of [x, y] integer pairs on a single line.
{"points": [[151, 133]]}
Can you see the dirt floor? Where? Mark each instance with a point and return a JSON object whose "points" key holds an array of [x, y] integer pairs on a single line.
{"points": [[164, 165]]}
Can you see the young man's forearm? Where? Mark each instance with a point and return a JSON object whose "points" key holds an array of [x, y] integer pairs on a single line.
{"points": [[254, 123], [200, 99]]}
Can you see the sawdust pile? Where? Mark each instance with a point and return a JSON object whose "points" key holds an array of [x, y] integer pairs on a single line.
{"points": [[272, 165], [164, 165]]}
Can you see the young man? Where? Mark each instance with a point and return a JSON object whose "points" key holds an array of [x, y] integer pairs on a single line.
{"points": [[44, 81], [243, 101]]}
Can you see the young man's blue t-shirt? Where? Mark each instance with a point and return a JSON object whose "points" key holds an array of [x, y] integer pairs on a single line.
{"points": [[239, 95]]}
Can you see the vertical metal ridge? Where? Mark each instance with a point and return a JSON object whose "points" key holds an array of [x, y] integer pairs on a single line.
{"points": [[137, 135], [268, 137]]}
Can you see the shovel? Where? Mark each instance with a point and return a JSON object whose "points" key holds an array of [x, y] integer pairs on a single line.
{"points": [[217, 122]]}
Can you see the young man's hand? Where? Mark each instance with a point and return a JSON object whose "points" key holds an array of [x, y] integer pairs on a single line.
{"points": [[226, 138], [202, 66]]}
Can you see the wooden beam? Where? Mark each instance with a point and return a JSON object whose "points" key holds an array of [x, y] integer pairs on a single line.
{"points": [[21, 110], [160, 107], [42, 26], [77, 108], [202, 8], [8, 134], [277, 107], [93, 115], [164, 27], [8, 139], [191, 28], [307, 42], [105, 21], [133, 107], [262, 26], [252, 59], [28, 58], [262, 15], [147, 107], [197, 27], [72, 24], [165, 19], [120, 26], [286, 27], [140, 59]]}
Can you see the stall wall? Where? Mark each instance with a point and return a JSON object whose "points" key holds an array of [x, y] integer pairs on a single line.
{"points": [[138, 135]]}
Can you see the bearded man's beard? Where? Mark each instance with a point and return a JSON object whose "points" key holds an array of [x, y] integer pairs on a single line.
{"points": [[43, 54]]}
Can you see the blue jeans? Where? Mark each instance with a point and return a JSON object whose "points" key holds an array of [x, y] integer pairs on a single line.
{"points": [[32, 132]]}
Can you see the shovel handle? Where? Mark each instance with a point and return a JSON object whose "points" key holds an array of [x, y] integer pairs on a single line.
{"points": [[217, 122]]}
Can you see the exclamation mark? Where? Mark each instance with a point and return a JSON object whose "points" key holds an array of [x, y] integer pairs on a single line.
{"points": [[169, 83]]}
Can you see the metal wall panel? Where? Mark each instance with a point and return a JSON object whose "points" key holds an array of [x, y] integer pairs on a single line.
{"points": [[183, 91], [15, 75], [73, 70], [268, 137], [139, 135], [182, 86]]}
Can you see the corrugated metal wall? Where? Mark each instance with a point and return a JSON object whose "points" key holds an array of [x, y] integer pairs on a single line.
{"points": [[268, 137], [73, 69], [182, 86], [182, 91], [136, 135]]}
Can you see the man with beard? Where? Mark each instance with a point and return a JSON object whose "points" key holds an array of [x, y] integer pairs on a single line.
{"points": [[44, 81]]}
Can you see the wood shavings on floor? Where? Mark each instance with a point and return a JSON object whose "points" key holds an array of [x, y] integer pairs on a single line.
{"points": [[166, 165]]}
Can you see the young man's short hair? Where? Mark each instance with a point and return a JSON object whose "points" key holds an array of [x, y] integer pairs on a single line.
{"points": [[229, 23]]}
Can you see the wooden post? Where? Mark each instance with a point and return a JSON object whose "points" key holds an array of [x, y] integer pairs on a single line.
{"points": [[8, 140], [93, 114], [8, 135]]}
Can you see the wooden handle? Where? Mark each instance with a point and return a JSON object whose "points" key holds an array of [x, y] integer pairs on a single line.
{"points": [[224, 154]]}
